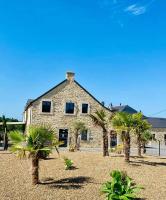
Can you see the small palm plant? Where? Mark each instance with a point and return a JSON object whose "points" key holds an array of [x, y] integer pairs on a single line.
{"points": [[120, 187], [38, 140], [68, 163]]}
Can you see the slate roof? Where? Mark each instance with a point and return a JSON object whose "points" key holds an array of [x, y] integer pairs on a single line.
{"points": [[157, 122], [154, 121], [124, 108], [31, 101]]}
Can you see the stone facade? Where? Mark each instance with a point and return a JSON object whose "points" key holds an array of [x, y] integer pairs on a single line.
{"points": [[67, 91], [160, 134]]}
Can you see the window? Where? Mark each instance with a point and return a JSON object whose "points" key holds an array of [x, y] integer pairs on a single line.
{"points": [[69, 108], [165, 138], [46, 106], [84, 108], [84, 135], [153, 136]]}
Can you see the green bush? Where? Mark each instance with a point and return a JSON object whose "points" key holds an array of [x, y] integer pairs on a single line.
{"points": [[68, 163], [118, 149], [120, 187], [44, 154]]}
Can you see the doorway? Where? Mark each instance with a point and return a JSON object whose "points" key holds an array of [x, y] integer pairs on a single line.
{"points": [[63, 137]]}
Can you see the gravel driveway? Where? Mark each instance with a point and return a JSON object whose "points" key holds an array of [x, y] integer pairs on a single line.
{"points": [[82, 183]]}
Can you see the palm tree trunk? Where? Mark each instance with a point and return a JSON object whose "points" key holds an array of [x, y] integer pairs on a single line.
{"points": [[76, 141], [35, 169], [105, 143], [127, 147], [144, 148], [139, 144], [5, 142]]}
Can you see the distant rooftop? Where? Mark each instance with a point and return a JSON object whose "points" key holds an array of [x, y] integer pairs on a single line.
{"points": [[28, 103], [124, 108], [157, 122], [154, 121]]}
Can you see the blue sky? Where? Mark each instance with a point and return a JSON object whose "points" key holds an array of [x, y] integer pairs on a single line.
{"points": [[116, 48]]}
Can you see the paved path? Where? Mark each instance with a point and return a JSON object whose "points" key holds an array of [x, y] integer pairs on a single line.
{"points": [[150, 150]]}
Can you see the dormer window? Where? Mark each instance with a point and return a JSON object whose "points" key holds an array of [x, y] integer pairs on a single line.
{"points": [[69, 108], [85, 108], [46, 106]]}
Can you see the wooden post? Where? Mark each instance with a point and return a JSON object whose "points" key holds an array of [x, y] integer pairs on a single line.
{"points": [[159, 147]]}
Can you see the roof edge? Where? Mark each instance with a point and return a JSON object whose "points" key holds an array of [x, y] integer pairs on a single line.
{"points": [[45, 93], [92, 96], [59, 85]]}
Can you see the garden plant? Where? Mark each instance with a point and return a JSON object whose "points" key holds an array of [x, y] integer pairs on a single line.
{"points": [[39, 139], [119, 187]]}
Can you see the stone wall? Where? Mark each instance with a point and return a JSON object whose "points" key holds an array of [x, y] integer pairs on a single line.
{"points": [[69, 91], [159, 134]]}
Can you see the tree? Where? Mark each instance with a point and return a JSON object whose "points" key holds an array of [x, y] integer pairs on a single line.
{"points": [[78, 127], [140, 127], [123, 123], [4, 125], [11, 127], [101, 119], [145, 138], [38, 139]]}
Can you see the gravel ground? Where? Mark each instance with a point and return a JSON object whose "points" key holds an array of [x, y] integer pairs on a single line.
{"points": [[83, 182]]}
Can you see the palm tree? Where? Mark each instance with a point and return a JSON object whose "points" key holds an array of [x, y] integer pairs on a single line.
{"points": [[145, 138], [140, 127], [123, 123], [101, 119], [39, 139], [78, 127]]}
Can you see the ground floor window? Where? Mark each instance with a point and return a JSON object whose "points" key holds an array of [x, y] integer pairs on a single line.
{"points": [[113, 141], [84, 135], [153, 137], [165, 138]]}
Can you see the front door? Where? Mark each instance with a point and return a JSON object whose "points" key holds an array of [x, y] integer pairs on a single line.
{"points": [[63, 137]]}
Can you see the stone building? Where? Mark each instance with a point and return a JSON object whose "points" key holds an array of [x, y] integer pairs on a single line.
{"points": [[68, 102], [61, 106]]}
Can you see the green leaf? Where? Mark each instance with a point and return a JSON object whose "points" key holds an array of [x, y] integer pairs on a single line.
{"points": [[130, 196], [16, 136]]}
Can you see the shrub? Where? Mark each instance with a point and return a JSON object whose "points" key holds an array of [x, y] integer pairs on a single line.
{"points": [[71, 148], [118, 149], [120, 187], [68, 163], [44, 154]]}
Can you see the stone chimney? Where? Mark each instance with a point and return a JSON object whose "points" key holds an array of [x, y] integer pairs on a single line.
{"points": [[70, 76]]}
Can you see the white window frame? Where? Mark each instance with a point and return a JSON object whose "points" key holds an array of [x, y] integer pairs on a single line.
{"points": [[88, 134], [88, 108], [46, 113], [70, 114]]}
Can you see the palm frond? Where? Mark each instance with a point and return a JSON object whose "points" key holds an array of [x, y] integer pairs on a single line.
{"points": [[39, 138], [99, 118], [16, 136]]}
